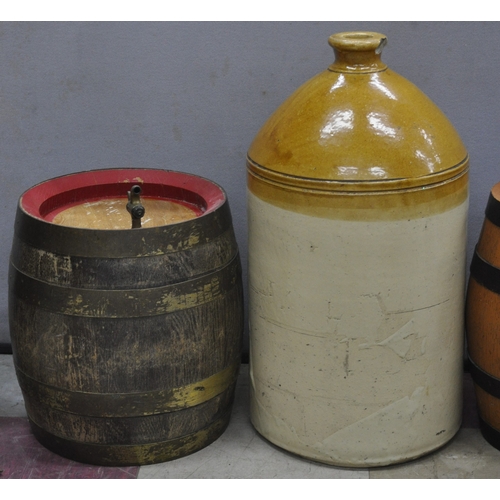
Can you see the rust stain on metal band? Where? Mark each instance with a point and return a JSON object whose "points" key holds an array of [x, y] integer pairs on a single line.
{"points": [[129, 404]]}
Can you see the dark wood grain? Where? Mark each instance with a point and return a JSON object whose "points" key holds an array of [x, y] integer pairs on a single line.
{"points": [[119, 336]]}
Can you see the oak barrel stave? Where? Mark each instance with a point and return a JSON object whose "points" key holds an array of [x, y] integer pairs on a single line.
{"points": [[100, 358]]}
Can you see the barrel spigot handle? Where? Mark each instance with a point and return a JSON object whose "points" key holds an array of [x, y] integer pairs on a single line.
{"points": [[135, 207]]}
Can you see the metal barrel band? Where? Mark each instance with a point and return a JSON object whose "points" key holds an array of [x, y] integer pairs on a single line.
{"points": [[109, 405], [133, 454], [82, 272], [131, 303], [489, 433], [485, 274], [492, 211], [487, 382], [65, 240]]}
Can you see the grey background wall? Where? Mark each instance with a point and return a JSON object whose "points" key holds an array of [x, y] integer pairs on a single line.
{"points": [[191, 96]]}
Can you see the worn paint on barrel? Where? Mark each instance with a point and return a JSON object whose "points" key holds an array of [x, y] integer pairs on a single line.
{"points": [[126, 342]]}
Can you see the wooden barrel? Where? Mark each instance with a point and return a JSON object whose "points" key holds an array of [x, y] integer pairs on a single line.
{"points": [[126, 342], [483, 321]]}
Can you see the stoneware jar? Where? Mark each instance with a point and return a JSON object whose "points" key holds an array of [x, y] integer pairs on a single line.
{"points": [[357, 202], [126, 341]]}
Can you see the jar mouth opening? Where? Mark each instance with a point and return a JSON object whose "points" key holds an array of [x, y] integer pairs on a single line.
{"points": [[358, 36], [358, 41], [358, 51]]}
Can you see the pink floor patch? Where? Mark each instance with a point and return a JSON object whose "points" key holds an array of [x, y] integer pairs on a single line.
{"points": [[23, 457]]}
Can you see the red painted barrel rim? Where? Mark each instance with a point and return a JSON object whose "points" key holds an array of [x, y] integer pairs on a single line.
{"points": [[45, 200]]}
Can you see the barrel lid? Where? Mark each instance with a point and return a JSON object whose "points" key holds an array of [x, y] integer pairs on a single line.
{"points": [[358, 126], [47, 199]]}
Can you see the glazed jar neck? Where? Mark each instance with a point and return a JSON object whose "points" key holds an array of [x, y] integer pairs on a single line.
{"points": [[357, 52]]}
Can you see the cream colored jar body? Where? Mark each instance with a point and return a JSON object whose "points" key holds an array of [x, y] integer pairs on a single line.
{"points": [[356, 333]]}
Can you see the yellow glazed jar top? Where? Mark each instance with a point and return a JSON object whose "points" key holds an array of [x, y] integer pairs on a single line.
{"points": [[357, 126]]}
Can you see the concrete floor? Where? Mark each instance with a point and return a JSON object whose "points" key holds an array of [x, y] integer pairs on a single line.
{"points": [[240, 452]]}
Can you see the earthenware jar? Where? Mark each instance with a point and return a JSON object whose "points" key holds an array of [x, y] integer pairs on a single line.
{"points": [[357, 202], [483, 321]]}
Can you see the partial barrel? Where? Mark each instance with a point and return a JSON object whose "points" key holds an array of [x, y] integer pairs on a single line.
{"points": [[126, 342], [483, 321]]}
